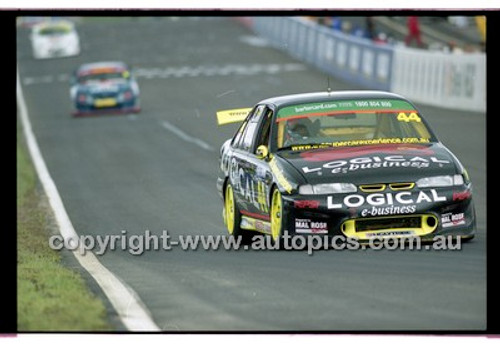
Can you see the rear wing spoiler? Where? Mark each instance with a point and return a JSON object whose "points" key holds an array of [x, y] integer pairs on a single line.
{"points": [[232, 116]]}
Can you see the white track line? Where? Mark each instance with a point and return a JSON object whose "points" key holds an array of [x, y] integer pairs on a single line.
{"points": [[187, 72], [181, 134], [127, 304]]}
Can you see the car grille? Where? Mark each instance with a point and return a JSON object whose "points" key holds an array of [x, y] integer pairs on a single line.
{"points": [[104, 95], [401, 186], [387, 223], [371, 188], [364, 228]]}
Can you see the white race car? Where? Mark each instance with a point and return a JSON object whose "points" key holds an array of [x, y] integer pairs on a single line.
{"points": [[55, 39]]}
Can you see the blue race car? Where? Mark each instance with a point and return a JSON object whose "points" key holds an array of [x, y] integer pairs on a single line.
{"points": [[104, 87]]}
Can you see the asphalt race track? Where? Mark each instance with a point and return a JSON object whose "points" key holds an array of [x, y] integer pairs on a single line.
{"points": [[157, 170]]}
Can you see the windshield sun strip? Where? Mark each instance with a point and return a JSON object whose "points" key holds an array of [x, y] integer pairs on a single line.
{"points": [[280, 119], [348, 143]]}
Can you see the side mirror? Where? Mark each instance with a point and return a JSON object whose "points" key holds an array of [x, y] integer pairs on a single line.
{"points": [[262, 152]]}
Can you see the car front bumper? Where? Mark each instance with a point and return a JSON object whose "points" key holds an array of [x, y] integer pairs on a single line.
{"points": [[109, 106], [425, 213]]}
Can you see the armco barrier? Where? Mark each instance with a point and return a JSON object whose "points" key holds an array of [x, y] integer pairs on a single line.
{"points": [[447, 80], [353, 59]]}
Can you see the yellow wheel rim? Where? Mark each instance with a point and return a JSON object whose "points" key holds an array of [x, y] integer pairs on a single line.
{"points": [[229, 208], [276, 214]]}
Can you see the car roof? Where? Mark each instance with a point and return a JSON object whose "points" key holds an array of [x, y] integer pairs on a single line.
{"points": [[87, 68], [53, 23], [286, 100]]}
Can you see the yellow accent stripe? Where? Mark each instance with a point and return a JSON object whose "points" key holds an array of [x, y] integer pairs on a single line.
{"points": [[258, 225], [372, 188], [280, 176], [232, 116], [401, 186]]}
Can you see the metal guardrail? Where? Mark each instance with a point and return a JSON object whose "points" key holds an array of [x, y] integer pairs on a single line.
{"points": [[353, 59], [455, 81]]}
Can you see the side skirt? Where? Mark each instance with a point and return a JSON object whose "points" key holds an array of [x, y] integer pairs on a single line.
{"points": [[258, 225]]}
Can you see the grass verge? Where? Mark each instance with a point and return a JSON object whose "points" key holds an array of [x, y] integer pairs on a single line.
{"points": [[50, 296]]}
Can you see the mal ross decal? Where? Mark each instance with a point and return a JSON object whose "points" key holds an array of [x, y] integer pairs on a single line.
{"points": [[307, 226], [452, 219]]}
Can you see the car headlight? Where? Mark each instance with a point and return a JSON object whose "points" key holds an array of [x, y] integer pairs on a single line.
{"points": [[440, 181], [85, 98], [125, 96], [328, 188]]}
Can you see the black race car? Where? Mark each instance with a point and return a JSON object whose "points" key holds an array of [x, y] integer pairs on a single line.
{"points": [[360, 164]]}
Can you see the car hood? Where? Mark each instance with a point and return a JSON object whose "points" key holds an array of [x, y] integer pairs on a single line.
{"points": [[372, 164]]}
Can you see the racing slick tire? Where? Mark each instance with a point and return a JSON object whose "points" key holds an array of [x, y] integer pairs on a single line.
{"points": [[232, 217]]}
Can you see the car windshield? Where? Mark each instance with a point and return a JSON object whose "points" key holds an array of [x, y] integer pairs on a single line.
{"points": [[55, 30], [349, 123], [102, 75]]}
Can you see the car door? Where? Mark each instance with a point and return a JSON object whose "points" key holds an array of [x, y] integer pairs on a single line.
{"points": [[250, 175], [260, 163]]}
